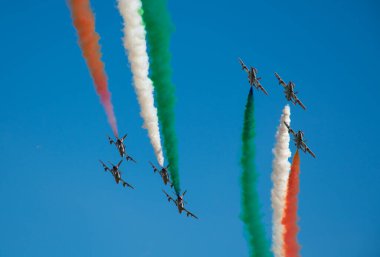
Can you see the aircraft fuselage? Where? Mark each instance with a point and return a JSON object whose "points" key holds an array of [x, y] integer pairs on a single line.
{"points": [[252, 78], [165, 176], [117, 175], [299, 140], [289, 92], [180, 204], [120, 147]]}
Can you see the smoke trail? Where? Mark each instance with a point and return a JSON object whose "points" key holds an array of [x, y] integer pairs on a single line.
{"points": [[250, 199], [159, 27], [84, 22], [291, 246], [280, 174], [135, 44]]}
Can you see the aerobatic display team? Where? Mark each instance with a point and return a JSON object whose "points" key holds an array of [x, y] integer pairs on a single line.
{"points": [[147, 46]]}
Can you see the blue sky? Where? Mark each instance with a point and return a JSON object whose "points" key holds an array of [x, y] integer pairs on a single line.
{"points": [[57, 201]]}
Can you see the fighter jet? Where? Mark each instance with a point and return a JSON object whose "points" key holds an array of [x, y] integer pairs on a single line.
{"points": [[119, 143], [163, 173], [299, 141], [252, 77], [180, 203], [290, 94], [116, 173]]}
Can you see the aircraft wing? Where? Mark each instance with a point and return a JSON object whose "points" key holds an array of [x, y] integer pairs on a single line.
{"points": [[261, 88], [310, 152], [291, 131], [111, 172], [118, 165], [243, 66], [280, 81], [169, 197], [154, 167], [306, 149], [189, 214], [124, 136], [110, 140], [105, 167], [125, 184], [300, 103]]}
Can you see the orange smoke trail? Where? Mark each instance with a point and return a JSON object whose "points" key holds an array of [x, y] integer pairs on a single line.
{"points": [[84, 22], [290, 218]]}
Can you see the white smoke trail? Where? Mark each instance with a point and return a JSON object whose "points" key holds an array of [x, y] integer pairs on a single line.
{"points": [[135, 44], [280, 174]]}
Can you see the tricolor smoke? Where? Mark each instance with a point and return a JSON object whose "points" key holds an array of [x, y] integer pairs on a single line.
{"points": [[280, 174], [251, 217], [159, 27], [135, 44], [291, 246], [84, 22]]}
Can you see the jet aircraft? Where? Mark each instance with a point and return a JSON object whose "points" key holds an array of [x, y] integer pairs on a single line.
{"points": [[119, 143], [299, 140], [289, 92], [180, 204], [163, 171], [116, 173], [253, 80]]}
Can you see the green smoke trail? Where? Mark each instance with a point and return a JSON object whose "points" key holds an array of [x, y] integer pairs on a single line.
{"points": [[159, 27], [258, 245]]}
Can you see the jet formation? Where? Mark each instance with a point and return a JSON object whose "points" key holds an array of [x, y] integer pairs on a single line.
{"points": [[162, 171], [179, 202], [290, 95]]}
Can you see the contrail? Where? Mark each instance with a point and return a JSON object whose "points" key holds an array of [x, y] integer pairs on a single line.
{"points": [[280, 174], [291, 246], [135, 45], [251, 216], [84, 22], [159, 28]]}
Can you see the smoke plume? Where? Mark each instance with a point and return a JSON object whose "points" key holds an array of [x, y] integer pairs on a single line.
{"points": [[280, 174], [84, 22], [250, 215], [136, 47], [159, 27], [291, 246]]}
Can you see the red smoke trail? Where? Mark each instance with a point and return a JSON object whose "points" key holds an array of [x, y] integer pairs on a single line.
{"points": [[291, 246], [84, 22]]}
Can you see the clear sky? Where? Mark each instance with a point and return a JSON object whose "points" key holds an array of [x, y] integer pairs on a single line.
{"points": [[57, 201]]}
